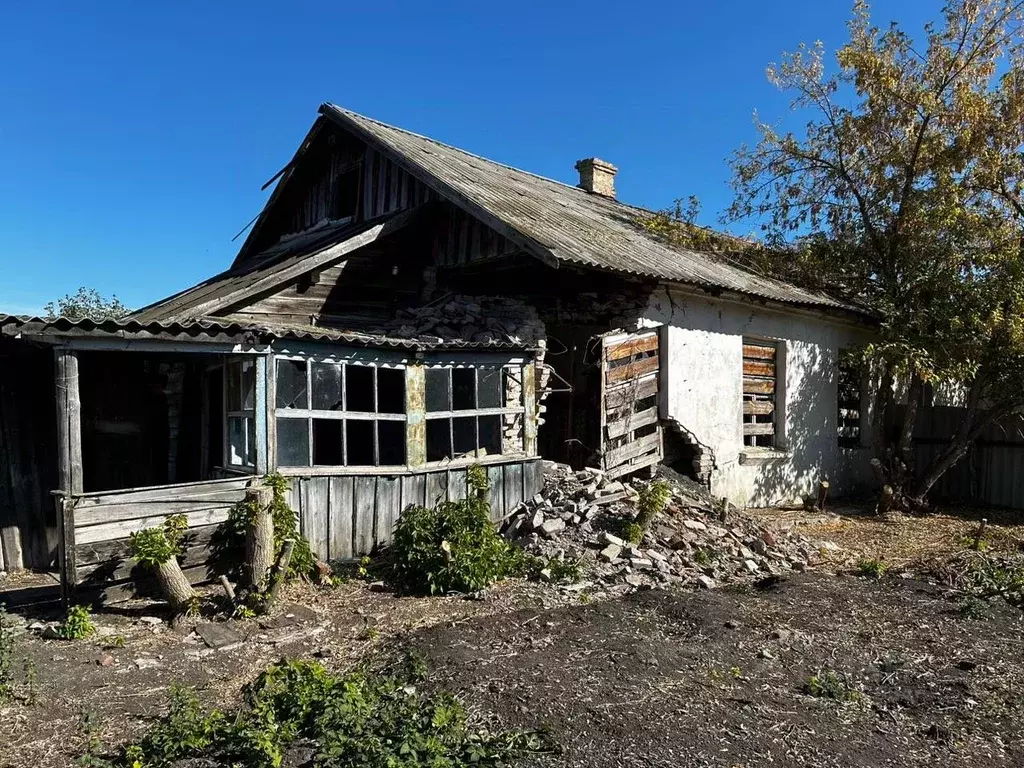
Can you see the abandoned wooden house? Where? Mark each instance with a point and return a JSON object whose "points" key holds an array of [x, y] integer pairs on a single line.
{"points": [[400, 310]]}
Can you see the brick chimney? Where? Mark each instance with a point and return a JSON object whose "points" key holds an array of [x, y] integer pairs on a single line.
{"points": [[597, 176]]}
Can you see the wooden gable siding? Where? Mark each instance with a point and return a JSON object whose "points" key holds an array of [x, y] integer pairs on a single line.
{"points": [[359, 292], [460, 238], [389, 189]]}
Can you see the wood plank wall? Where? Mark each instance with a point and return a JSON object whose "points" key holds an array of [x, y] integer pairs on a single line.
{"points": [[387, 188], [104, 521], [347, 516], [28, 470]]}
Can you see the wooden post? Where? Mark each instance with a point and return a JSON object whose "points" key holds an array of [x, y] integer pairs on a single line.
{"points": [[261, 416], [69, 462], [66, 560], [415, 413], [530, 409]]}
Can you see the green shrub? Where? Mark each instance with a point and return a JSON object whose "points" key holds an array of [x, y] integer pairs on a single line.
{"points": [[974, 608], [155, 546], [360, 719], [77, 624], [633, 532], [453, 547], [828, 685], [871, 568]]}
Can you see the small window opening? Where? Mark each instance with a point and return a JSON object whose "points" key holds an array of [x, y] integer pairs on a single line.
{"points": [[360, 389], [359, 442], [291, 384], [390, 390], [849, 402]]}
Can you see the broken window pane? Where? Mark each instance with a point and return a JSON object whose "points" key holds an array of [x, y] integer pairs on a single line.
{"points": [[359, 389], [241, 443], [390, 390], [439, 443], [359, 443], [512, 433], [490, 435], [463, 389], [293, 442], [391, 437], [512, 386], [327, 387], [464, 435], [438, 389], [248, 385], [233, 392], [327, 442], [490, 388], [291, 384]]}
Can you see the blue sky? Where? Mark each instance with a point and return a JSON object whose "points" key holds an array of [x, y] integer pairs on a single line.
{"points": [[134, 137]]}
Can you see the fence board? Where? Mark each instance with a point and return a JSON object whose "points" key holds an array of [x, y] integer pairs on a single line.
{"points": [[389, 496], [315, 507], [364, 502]]}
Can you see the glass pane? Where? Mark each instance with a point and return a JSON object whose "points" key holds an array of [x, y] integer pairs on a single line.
{"points": [[359, 439], [327, 387], [438, 389], [490, 435], [293, 442], [463, 389], [464, 435], [238, 452], [327, 442], [233, 401], [250, 442], [359, 390], [390, 390], [248, 385], [291, 384], [490, 388], [439, 439], [512, 433], [391, 437]]}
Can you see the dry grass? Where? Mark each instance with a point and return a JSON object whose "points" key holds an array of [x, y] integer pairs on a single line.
{"points": [[903, 539]]}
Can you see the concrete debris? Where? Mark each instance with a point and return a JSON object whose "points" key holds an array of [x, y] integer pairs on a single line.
{"points": [[580, 516]]}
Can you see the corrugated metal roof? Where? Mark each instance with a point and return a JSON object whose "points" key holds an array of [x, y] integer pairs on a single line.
{"points": [[211, 330], [572, 225]]}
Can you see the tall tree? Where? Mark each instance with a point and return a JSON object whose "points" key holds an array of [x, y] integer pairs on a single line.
{"points": [[905, 191], [86, 302]]}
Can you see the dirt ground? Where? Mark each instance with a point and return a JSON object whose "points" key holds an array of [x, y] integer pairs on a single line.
{"points": [[709, 678]]}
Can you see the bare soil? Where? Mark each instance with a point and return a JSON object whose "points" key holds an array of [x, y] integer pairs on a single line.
{"points": [[656, 678]]}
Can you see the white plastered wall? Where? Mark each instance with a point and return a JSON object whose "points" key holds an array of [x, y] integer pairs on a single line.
{"points": [[702, 347]]}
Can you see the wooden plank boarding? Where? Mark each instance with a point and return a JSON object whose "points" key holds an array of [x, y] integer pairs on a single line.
{"points": [[340, 544], [631, 422], [632, 346], [316, 514], [617, 456], [364, 502], [632, 370], [389, 495]]}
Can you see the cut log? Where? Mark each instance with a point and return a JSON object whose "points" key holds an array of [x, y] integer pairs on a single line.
{"points": [[175, 586]]}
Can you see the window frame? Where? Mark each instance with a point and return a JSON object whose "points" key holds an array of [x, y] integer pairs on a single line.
{"points": [[505, 369], [857, 373], [776, 397], [247, 415], [310, 414]]}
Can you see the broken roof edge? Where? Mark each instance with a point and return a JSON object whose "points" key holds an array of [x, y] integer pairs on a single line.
{"points": [[209, 331]]}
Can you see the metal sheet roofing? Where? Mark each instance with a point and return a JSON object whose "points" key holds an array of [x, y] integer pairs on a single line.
{"points": [[567, 222], [213, 330]]}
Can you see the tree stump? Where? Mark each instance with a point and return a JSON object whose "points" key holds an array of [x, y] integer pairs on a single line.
{"points": [[259, 539]]}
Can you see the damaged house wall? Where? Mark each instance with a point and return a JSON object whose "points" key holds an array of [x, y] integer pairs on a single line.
{"points": [[704, 392]]}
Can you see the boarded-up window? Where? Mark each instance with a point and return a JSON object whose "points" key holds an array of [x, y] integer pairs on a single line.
{"points": [[760, 386], [850, 378]]}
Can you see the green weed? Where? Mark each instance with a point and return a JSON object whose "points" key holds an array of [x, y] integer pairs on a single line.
{"points": [[828, 685], [364, 719], [77, 624], [871, 568]]}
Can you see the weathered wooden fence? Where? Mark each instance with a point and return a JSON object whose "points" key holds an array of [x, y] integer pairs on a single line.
{"points": [[95, 528], [991, 474], [345, 516]]}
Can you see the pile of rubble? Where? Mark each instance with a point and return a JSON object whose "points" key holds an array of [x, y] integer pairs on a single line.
{"points": [[471, 318], [696, 541]]}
